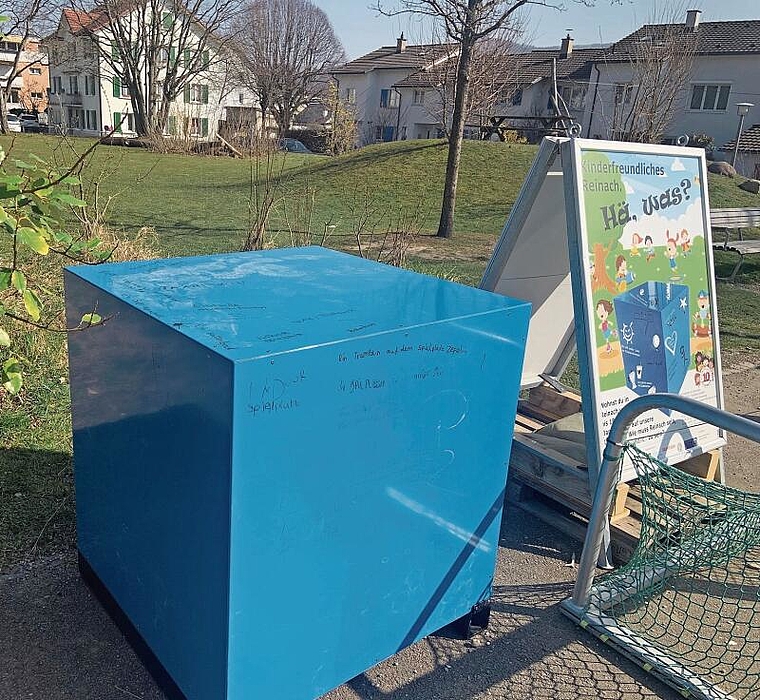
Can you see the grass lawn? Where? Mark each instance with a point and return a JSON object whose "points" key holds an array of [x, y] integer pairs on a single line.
{"points": [[199, 204]]}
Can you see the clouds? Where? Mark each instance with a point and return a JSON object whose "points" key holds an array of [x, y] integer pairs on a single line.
{"points": [[657, 225]]}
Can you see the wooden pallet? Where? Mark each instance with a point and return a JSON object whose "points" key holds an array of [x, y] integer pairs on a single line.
{"points": [[554, 487]]}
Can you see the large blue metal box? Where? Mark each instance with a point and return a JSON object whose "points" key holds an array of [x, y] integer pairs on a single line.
{"points": [[289, 464]]}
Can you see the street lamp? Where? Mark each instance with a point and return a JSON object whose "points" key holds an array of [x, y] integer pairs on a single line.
{"points": [[742, 109]]}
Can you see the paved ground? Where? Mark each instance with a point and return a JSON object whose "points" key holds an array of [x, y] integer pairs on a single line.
{"points": [[56, 643]]}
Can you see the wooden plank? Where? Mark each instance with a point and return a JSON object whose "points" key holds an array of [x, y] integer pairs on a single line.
{"points": [[705, 466], [561, 404], [618, 510], [529, 422]]}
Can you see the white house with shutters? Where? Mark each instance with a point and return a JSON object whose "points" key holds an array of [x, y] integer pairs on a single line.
{"points": [[89, 98]]}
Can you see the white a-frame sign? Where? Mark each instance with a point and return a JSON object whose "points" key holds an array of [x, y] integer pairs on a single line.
{"points": [[611, 243]]}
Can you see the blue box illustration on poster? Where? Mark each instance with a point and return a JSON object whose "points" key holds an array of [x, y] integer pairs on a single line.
{"points": [[653, 327], [289, 464]]}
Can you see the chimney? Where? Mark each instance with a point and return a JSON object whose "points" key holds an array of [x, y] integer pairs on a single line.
{"points": [[401, 44], [692, 19], [567, 47]]}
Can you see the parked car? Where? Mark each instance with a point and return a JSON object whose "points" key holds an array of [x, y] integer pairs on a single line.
{"points": [[30, 123], [14, 123], [292, 146]]}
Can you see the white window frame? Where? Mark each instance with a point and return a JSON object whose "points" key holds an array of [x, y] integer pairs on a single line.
{"points": [[35, 70], [418, 97], [350, 95], [194, 121]]}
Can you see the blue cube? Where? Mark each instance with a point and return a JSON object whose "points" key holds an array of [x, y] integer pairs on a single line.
{"points": [[653, 327], [289, 464]]}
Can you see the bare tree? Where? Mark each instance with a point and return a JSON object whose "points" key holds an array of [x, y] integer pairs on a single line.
{"points": [[493, 78], [286, 47], [660, 58], [25, 21], [467, 22], [157, 48]]}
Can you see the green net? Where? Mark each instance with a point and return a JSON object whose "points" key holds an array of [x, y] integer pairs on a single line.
{"points": [[689, 599]]}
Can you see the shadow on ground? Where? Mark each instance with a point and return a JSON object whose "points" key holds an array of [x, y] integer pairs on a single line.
{"points": [[36, 503], [57, 642]]}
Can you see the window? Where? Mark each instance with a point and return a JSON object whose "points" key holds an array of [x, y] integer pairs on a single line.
{"points": [[516, 98], [575, 95], [123, 122], [15, 95], [163, 57], [378, 133], [196, 93], [241, 98], [73, 85], [350, 96], [623, 94], [88, 50], [120, 89], [35, 71], [198, 127], [9, 46], [57, 85], [36, 95], [389, 98], [91, 120], [89, 84], [710, 97], [418, 97]]}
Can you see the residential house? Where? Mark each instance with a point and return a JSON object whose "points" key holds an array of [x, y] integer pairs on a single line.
{"points": [[89, 97], [723, 72], [368, 85], [399, 92], [29, 87]]}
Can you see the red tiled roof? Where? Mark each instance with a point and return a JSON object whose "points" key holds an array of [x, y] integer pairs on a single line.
{"points": [[80, 22]]}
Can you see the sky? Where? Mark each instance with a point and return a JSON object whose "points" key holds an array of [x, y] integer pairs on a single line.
{"points": [[361, 29]]}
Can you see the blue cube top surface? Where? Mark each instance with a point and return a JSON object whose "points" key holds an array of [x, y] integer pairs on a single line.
{"points": [[251, 305]]}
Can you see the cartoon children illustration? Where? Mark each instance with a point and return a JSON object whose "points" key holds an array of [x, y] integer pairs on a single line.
{"points": [[685, 242], [671, 251], [623, 277], [603, 311], [636, 241], [649, 243], [702, 316]]}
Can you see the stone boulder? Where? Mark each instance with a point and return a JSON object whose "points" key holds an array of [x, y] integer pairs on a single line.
{"points": [[721, 167], [751, 186]]}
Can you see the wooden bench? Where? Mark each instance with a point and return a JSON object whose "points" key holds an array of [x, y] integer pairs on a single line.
{"points": [[728, 220]]}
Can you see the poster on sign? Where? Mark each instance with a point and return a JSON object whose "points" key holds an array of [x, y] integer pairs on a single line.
{"points": [[641, 254]]}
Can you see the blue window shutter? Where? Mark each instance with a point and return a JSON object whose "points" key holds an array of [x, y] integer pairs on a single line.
{"points": [[117, 122], [172, 125], [116, 86], [384, 98], [204, 94], [204, 127], [186, 94]]}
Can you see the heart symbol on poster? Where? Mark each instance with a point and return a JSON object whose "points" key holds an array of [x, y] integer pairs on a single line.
{"points": [[670, 343]]}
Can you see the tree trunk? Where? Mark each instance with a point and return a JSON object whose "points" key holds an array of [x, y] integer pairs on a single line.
{"points": [[3, 112], [446, 224], [601, 279]]}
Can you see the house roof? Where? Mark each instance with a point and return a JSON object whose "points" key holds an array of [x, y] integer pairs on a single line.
{"points": [[748, 143], [529, 67], [412, 57], [712, 38], [81, 22]]}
